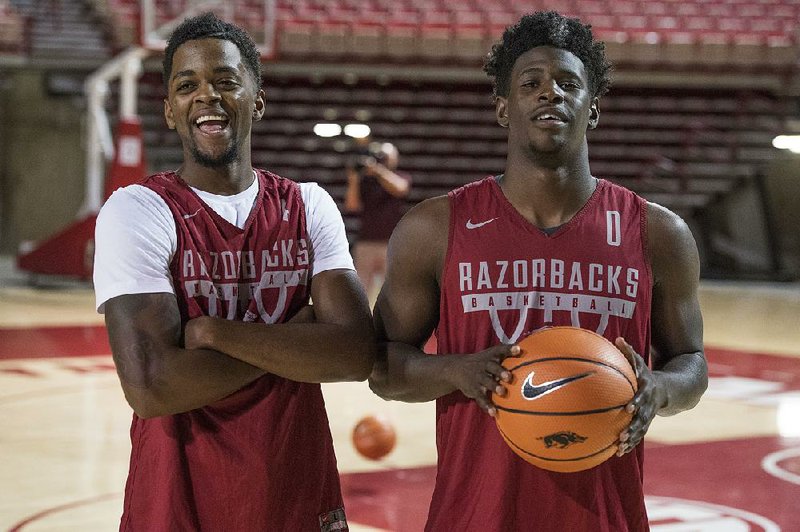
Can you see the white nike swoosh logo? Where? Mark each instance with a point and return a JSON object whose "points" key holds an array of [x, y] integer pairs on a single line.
{"points": [[471, 225], [532, 391], [187, 216]]}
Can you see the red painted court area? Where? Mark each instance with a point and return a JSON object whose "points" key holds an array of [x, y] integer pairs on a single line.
{"points": [[747, 483], [53, 342], [718, 486]]}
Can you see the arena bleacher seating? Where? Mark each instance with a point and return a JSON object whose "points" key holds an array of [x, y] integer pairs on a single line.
{"points": [[683, 148], [68, 33], [683, 144], [713, 32]]}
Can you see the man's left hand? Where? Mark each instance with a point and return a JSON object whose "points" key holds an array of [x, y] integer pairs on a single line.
{"points": [[644, 406]]}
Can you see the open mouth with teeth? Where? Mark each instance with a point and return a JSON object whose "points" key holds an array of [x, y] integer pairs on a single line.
{"points": [[211, 124], [549, 118]]}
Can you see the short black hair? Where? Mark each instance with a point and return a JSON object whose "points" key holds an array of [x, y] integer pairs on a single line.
{"points": [[208, 26], [548, 28]]}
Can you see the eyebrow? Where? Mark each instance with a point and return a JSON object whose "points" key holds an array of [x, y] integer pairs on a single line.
{"points": [[217, 70], [536, 69]]}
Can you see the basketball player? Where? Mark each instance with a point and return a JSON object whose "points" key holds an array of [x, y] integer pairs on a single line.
{"points": [[204, 274], [544, 244]]}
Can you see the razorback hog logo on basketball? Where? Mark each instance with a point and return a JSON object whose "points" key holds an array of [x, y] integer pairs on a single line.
{"points": [[532, 391], [562, 439], [227, 283], [547, 286]]}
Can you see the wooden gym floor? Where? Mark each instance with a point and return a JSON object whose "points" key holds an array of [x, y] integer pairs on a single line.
{"points": [[731, 464]]}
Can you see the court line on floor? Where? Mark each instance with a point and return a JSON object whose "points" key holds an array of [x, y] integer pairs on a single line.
{"points": [[68, 506], [770, 464]]}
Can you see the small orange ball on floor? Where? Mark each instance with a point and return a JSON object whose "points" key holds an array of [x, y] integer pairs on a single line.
{"points": [[374, 437]]}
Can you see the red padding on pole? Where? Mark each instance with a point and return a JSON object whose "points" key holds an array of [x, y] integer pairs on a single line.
{"points": [[128, 166], [69, 252]]}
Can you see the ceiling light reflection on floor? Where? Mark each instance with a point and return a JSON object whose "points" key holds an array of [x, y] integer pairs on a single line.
{"points": [[788, 417]]}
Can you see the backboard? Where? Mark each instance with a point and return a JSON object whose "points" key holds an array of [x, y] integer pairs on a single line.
{"points": [[158, 18]]}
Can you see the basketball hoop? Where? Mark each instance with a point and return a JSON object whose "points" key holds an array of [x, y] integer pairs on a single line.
{"points": [[158, 19]]}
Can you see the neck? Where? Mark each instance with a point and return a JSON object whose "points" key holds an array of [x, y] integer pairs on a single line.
{"points": [[547, 195], [223, 180]]}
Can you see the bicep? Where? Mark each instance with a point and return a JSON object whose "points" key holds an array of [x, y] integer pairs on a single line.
{"points": [[339, 299], [407, 309], [141, 329], [677, 322]]}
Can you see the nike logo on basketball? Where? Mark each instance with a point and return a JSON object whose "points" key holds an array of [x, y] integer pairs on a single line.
{"points": [[471, 225], [532, 391]]}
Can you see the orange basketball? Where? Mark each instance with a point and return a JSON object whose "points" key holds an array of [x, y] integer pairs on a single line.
{"points": [[374, 437], [565, 407]]}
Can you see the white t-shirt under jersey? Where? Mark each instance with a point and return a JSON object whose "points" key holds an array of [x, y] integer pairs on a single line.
{"points": [[136, 238]]}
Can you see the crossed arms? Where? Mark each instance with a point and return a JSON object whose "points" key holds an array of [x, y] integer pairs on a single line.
{"points": [[166, 370]]}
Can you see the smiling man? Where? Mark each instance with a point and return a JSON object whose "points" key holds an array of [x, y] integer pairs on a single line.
{"points": [[543, 244], [204, 275]]}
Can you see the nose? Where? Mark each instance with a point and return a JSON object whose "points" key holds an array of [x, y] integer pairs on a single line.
{"points": [[207, 93], [551, 92]]}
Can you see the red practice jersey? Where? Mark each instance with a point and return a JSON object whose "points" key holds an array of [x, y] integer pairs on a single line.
{"points": [[504, 278], [261, 458]]}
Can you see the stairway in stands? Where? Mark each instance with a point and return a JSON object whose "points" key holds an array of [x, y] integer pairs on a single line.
{"points": [[64, 33]]}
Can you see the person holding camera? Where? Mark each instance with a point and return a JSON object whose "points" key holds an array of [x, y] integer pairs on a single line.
{"points": [[377, 192]]}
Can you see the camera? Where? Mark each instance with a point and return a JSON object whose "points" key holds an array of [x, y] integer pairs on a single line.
{"points": [[362, 156]]}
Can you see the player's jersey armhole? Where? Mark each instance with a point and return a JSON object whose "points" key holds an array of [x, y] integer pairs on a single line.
{"points": [[451, 234], [643, 222]]}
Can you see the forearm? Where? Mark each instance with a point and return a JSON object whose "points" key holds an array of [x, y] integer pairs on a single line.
{"points": [[352, 196], [158, 376], [303, 352], [682, 381], [393, 183], [181, 380], [403, 372]]}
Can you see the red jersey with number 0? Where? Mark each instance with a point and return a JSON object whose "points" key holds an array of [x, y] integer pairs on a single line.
{"points": [[261, 458], [504, 278]]}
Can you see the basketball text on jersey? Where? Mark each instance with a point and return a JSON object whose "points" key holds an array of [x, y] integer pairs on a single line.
{"points": [[230, 281], [547, 285]]}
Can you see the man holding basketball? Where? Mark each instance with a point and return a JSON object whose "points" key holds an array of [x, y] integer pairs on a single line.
{"points": [[204, 275], [543, 244]]}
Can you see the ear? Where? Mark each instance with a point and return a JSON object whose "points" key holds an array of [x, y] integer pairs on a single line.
{"points": [[168, 114], [260, 105], [594, 113], [501, 110]]}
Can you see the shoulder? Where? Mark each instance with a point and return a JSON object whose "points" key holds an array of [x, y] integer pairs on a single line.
{"points": [[663, 224], [312, 192], [275, 182], [134, 200], [135, 213], [428, 217], [421, 236], [669, 240], [318, 203], [474, 189]]}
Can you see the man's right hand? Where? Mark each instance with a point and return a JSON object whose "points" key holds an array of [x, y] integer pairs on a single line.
{"points": [[479, 374]]}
